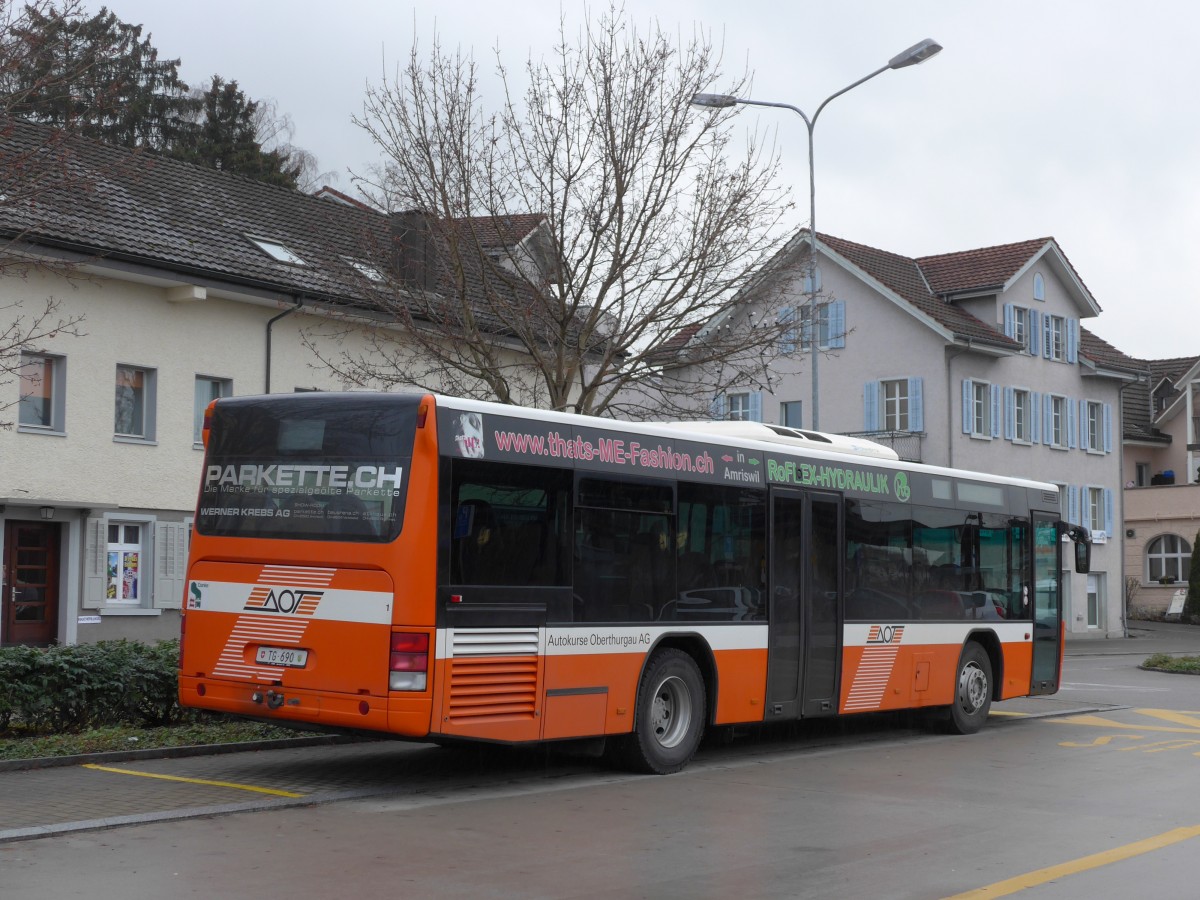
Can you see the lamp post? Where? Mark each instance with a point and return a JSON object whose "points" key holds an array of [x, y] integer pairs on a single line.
{"points": [[915, 54]]}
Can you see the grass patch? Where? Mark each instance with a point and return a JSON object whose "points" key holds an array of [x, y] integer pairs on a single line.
{"points": [[14, 744], [1164, 662]]}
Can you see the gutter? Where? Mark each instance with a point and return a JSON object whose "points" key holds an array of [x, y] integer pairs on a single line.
{"points": [[299, 302]]}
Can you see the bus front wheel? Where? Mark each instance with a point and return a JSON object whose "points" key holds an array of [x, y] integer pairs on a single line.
{"points": [[972, 692], [670, 715]]}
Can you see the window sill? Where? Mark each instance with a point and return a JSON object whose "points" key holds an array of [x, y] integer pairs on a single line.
{"points": [[33, 429], [129, 439], [128, 611], [980, 437]]}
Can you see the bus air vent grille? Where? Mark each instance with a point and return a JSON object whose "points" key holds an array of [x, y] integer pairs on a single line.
{"points": [[483, 688], [494, 642]]}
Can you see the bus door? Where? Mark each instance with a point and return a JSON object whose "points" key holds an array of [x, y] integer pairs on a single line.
{"points": [[1047, 610], [805, 612]]}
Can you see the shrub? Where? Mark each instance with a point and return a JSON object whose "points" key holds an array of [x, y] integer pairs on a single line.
{"points": [[71, 687]]}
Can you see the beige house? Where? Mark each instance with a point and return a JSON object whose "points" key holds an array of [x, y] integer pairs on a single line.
{"points": [[974, 359], [190, 284], [1162, 492]]}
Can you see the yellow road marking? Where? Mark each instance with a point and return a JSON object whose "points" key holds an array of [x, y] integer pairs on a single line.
{"points": [[1006, 712], [226, 784], [1083, 864], [1101, 722]]}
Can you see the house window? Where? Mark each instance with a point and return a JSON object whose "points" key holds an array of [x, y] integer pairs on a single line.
{"points": [[788, 332], [1039, 286], [1056, 338], [1094, 510], [135, 400], [1143, 474], [1168, 556], [1021, 326], [1095, 600], [1095, 427], [895, 405], [831, 326], [1058, 421], [739, 408], [981, 408], [791, 413], [207, 390], [277, 251], [42, 399], [1022, 418], [124, 584]]}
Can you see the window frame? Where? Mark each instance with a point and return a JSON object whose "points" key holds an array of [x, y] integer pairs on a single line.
{"points": [[225, 389], [1178, 555], [1022, 415], [1056, 331], [148, 401], [56, 365], [896, 404], [1059, 421], [981, 409], [143, 548]]}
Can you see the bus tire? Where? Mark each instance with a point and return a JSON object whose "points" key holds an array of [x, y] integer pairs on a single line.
{"points": [[972, 691], [669, 717]]}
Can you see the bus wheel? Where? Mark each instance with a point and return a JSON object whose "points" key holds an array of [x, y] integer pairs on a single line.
{"points": [[972, 691], [670, 715]]}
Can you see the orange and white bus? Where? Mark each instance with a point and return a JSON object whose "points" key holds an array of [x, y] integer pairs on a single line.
{"points": [[440, 569]]}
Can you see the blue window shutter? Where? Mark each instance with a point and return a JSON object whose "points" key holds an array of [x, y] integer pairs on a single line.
{"points": [[1047, 419], [837, 324], [786, 319], [1083, 425], [1035, 416], [1009, 320], [916, 404], [871, 406], [717, 408], [1073, 504], [1047, 337], [997, 410], [1035, 324], [1108, 428], [966, 410], [756, 406], [1072, 340], [1010, 413], [1071, 418], [1108, 511]]}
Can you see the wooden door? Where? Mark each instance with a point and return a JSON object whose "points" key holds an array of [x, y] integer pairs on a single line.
{"points": [[30, 599]]}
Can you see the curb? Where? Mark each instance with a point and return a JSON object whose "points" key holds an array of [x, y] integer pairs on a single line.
{"points": [[50, 762]]}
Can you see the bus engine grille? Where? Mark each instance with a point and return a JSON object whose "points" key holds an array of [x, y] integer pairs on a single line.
{"points": [[493, 674]]}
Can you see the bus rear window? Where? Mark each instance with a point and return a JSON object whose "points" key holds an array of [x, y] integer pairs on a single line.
{"points": [[308, 467]]}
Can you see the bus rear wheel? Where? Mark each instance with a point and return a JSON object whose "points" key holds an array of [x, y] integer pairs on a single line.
{"points": [[972, 692], [670, 715]]}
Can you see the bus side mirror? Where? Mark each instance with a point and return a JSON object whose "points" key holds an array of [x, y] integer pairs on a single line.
{"points": [[1083, 556]]}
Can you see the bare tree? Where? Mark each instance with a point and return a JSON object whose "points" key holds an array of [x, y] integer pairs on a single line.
{"points": [[577, 245], [33, 164]]}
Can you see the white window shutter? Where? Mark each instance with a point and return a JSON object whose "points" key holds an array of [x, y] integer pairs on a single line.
{"points": [[95, 564], [170, 564]]}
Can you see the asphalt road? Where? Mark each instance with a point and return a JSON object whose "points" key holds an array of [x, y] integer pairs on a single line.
{"points": [[1088, 794]]}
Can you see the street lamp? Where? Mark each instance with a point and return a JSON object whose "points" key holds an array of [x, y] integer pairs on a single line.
{"points": [[915, 54]]}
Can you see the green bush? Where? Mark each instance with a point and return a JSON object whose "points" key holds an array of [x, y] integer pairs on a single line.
{"points": [[66, 688]]}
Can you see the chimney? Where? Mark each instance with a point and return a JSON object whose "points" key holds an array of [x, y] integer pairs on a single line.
{"points": [[412, 250]]}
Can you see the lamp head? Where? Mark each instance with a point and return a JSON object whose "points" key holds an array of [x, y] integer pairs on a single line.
{"points": [[714, 101], [915, 54]]}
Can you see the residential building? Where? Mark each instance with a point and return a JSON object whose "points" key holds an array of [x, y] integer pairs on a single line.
{"points": [[974, 359], [188, 284], [1162, 487]]}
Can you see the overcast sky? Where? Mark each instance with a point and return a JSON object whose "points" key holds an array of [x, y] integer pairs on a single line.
{"points": [[1072, 119]]}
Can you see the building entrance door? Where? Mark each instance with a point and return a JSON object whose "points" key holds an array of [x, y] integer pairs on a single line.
{"points": [[29, 609]]}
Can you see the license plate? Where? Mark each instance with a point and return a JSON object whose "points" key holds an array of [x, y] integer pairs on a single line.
{"points": [[282, 656]]}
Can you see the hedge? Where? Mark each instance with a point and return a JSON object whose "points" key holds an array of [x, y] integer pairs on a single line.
{"points": [[66, 688]]}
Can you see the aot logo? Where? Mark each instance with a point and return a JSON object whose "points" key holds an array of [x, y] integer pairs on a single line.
{"points": [[885, 634], [289, 601]]}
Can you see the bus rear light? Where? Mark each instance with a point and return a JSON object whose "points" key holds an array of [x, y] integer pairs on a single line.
{"points": [[409, 662], [207, 427]]}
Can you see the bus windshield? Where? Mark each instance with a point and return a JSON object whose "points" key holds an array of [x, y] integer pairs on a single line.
{"points": [[332, 468]]}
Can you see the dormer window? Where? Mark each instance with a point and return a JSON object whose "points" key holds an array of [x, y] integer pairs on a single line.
{"points": [[1039, 287], [277, 251]]}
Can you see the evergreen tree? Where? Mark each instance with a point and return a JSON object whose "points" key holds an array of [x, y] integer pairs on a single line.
{"points": [[97, 77], [226, 137], [1191, 606]]}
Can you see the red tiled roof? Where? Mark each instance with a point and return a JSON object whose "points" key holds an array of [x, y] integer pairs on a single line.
{"points": [[977, 270]]}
